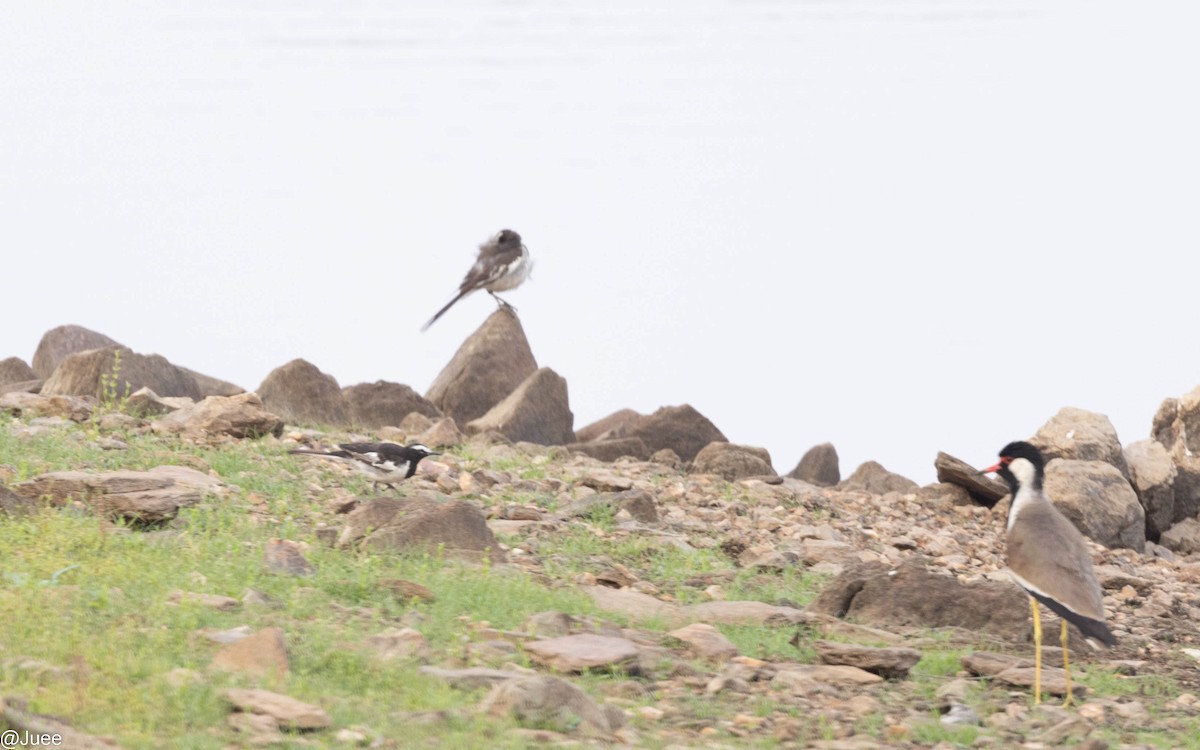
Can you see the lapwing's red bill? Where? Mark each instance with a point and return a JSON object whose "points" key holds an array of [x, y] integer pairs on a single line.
{"points": [[1000, 465]]}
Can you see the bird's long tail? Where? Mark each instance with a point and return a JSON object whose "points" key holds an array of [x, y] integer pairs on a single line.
{"points": [[325, 454], [449, 304]]}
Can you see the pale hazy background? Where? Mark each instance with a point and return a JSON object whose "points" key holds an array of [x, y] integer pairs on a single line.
{"points": [[902, 226]]}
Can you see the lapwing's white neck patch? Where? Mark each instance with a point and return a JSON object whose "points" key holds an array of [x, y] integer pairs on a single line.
{"points": [[1026, 476]]}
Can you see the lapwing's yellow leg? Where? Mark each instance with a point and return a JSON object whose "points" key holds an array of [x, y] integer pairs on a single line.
{"points": [[1037, 654], [1066, 664]]}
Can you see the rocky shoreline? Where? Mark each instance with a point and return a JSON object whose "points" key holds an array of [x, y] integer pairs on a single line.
{"points": [[904, 571]]}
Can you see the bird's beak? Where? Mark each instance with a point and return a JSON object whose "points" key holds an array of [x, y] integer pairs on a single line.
{"points": [[990, 469], [435, 453]]}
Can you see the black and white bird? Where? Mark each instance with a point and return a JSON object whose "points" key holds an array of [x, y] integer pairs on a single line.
{"points": [[1047, 556], [383, 463], [503, 263]]}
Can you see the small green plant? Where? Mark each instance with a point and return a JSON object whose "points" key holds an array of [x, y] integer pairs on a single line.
{"points": [[112, 396]]}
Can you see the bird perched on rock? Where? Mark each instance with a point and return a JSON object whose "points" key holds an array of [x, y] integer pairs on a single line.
{"points": [[503, 263], [383, 463], [1048, 557]]}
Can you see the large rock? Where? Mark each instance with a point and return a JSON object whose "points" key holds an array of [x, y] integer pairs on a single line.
{"points": [[15, 370], [1081, 435], [1183, 537], [615, 425], [380, 404], [423, 525], [875, 594], [240, 416], [537, 411], [1095, 496], [983, 489], [59, 343], [819, 466], [119, 371], [1177, 427], [680, 428], [872, 477], [302, 394], [1152, 474], [488, 366], [733, 462]]}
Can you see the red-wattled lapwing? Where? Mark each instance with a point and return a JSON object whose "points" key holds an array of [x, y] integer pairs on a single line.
{"points": [[503, 263], [1048, 557], [384, 463]]}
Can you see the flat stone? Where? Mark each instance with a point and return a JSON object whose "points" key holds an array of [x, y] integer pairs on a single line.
{"points": [[827, 674], [472, 678], [263, 654], [706, 641], [215, 601], [584, 651], [743, 613], [634, 604], [288, 712], [892, 663]]}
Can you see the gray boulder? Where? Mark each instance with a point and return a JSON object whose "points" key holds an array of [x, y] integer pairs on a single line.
{"points": [[488, 366], [1183, 537], [1177, 427], [819, 466], [421, 524], [59, 343], [680, 428], [14, 370], [1095, 497], [86, 374], [537, 411], [382, 403], [1152, 474], [1081, 435], [302, 394], [732, 461]]}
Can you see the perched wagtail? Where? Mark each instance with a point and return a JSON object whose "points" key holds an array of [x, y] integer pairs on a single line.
{"points": [[383, 463], [503, 263]]}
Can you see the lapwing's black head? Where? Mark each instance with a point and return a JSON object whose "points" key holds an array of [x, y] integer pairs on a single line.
{"points": [[1021, 465]]}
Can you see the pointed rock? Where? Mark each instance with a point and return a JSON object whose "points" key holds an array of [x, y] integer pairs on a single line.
{"points": [[15, 370], [615, 425], [818, 466], [382, 403], [537, 411], [302, 394], [488, 366], [680, 428], [59, 343], [872, 477], [210, 386], [86, 373]]}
